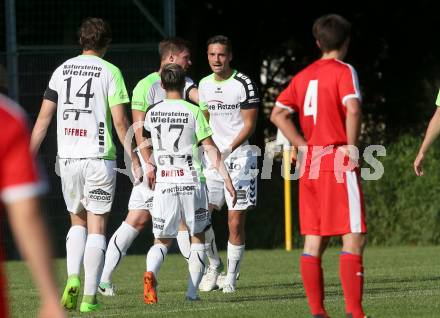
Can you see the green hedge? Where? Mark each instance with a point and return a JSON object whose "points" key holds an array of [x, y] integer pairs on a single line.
{"points": [[401, 207]]}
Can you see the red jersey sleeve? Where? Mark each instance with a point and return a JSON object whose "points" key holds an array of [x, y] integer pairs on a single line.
{"points": [[287, 99], [348, 84], [18, 174]]}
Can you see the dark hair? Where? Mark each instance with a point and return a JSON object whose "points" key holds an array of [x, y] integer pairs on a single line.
{"points": [[220, 39], [331, 31], [94, 34], [172, 77], [172, 45]]}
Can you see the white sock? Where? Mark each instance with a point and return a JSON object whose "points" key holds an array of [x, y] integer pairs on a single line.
{"points": [[75, 245], [196, 268], [211, 248], [117, 248], [235, 253], [93, 262], [155, 258], [184, 243]]}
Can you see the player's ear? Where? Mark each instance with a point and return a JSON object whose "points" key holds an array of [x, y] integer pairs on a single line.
{"points": [[318, 44], [230, 56]]}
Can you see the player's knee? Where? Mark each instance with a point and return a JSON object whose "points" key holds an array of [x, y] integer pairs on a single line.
{"points": [[139, 221], [355, 244], [234, 226]]}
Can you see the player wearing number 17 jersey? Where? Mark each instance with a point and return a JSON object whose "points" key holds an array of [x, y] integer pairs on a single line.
{"points": [[86, 92], [326, 97], [177, 128]]}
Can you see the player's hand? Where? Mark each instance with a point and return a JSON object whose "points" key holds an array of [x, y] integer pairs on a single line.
{"points": [[151, 175], [351, 152], [293, 154], [231, 190], [137, 172], [51, 310], [418, 164]]}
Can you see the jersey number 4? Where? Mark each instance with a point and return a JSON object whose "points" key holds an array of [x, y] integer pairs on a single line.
{"points": [[311, 100]]}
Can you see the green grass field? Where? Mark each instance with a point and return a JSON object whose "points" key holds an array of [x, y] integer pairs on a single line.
{"points": [[400, 282]]}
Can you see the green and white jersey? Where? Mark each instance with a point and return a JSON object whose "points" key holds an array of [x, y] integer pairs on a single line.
{"points": [[85, 88], [149, 91], [177, 127], [224, 100]]}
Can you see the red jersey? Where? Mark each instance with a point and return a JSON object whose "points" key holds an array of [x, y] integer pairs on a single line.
{"points": [[319, 94], [18, 173]]}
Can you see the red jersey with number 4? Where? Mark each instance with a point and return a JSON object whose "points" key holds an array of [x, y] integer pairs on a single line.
{"points": [[319, 94], [18, 174]]}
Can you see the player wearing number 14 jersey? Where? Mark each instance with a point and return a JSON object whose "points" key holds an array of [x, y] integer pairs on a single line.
{"points": [[326, 97], [86, 92]]}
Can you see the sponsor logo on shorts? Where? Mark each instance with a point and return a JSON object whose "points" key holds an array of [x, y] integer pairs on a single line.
{"points": [[100, 195], [158, 223], [180, 189], [149, 203], [201, 215], [172, 173]]}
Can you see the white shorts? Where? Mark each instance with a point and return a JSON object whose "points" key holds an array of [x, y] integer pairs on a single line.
{"points": [[243, 172], [141, 197], [175, 202], [88, 184]]}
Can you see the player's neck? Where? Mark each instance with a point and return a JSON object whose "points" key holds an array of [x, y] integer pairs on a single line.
{"points": [[94, 53], [223, 75], [174, 95], [335, 54]]}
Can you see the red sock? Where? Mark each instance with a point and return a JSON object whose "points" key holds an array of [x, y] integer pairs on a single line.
{"points": [[311, 273], [352, 278]]}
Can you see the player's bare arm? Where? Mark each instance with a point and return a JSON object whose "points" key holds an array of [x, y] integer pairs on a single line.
{"points": [[281, 118], [214, 156], [250, 121], [144, 147], [432, 133], [353, 121], [194, 97], [48, 109], [122, 124], [26, 222]]}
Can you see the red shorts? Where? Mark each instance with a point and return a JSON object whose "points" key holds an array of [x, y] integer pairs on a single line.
{"points": [[330, 208]]}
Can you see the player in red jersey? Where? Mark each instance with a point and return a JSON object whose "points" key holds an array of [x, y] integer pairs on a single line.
{"points": [[326, 97], [19, 191]]}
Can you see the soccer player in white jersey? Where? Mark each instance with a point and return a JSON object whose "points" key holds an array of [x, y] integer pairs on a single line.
{"points": [[86, 92], [232, 101], [147, 92], [176, 128]]}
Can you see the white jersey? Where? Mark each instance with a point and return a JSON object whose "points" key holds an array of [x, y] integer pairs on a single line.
{"points": [[149, 91], [177, 127], [84, 88], [224, 100]]}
